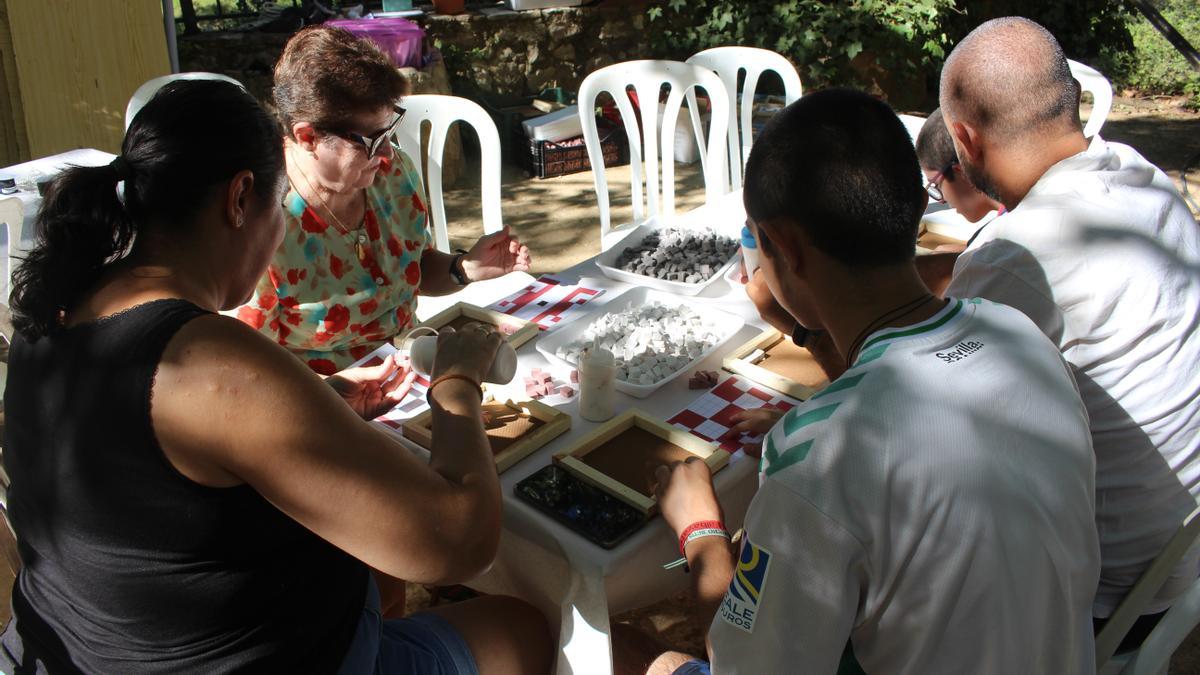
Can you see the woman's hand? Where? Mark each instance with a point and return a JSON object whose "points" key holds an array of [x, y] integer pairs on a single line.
{"points": [[374, 390], [495, 255], [468, 352]]}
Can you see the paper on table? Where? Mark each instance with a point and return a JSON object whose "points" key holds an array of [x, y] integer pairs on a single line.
{"points": [[413, 404], [548, 302]]}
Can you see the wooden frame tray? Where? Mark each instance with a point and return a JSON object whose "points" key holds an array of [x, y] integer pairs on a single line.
{"points": [[928, 240], [517, 331], [642, 435], [547, 424], [798, 375]]}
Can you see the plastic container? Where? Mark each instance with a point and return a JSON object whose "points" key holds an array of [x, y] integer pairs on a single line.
{"points": [[607, 262], [749, 251], [542, 4], [573, 332], [597, 385]]}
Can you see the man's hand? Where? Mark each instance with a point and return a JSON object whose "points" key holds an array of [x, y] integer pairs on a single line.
{"points": [[495, 255], [768, 308], [685, 494], [374, 390], [754, 422]]}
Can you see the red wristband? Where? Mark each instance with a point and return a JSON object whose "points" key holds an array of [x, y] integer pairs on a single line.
{"points": [[698, 525]]}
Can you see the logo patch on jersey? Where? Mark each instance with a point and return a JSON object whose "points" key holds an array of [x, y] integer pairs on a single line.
{"points": [[740, 606]]}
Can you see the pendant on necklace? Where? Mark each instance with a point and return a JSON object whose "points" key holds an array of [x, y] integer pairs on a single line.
{"points": [[361, 251]]}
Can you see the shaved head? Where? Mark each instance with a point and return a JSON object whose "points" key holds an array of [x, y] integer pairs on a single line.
{"points": [[1010, 80]]}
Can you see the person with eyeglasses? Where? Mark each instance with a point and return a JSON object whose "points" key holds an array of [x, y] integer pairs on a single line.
{"points": [[357, 249], [944, 179]]}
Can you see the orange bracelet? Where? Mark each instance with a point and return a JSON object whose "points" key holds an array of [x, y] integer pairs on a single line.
{"points": [[452, 376]]}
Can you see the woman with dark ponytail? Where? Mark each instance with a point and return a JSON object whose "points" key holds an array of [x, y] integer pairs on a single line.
{"points": [[186, 495]]}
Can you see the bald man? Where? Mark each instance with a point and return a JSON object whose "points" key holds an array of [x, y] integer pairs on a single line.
{"points": [[1099, 249]]}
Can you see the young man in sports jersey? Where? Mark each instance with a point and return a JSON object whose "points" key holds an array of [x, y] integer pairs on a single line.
{"points": [[931, 511]]}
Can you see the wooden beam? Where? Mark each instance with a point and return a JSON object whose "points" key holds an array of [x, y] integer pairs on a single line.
{"points": [[1168, 31]]}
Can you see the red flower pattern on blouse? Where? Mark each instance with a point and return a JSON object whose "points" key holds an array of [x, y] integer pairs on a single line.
{"points": [[333, 294]]}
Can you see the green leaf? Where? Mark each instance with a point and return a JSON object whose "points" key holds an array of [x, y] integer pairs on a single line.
{"points": [[853, 49]]}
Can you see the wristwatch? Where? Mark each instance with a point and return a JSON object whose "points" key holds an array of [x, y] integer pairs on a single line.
{"points": [[456, 271]]}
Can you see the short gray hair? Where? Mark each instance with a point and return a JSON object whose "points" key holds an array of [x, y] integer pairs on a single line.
{"points": [[1010, 77]]}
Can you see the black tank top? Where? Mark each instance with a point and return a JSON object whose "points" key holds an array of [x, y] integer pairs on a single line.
{"points": [[129, 566]]}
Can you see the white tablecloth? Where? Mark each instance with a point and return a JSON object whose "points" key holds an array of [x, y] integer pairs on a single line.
{"points": [[553, 567]]}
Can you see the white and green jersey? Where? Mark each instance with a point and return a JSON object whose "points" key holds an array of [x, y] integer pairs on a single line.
{"points": [[933, 505]]}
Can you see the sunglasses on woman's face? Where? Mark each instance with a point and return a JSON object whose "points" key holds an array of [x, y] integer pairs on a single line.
{"points": [[372, 143]]}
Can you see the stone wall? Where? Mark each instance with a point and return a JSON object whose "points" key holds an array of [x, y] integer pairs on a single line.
{"points": [[522, 53], [498, 57]]}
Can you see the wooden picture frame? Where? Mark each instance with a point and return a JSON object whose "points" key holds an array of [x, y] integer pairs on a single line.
{"points": [[517, 331], [928, 240], [553, 423], [574, 460], [746, 359]]}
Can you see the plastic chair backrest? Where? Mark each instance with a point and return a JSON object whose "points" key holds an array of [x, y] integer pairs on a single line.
{"points": [[1144, 590], [1091, 80], [12, 216], [647, 79], [441, 112], [146, 92], [728, 62], [1153, 657]]}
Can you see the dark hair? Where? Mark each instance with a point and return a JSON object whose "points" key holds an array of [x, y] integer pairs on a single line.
{"points": [[326, 76], [192, 136], [841, 165], [935, 148]]}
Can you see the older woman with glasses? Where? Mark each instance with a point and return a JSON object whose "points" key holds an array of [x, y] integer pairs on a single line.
{"points": [[357, 249]]}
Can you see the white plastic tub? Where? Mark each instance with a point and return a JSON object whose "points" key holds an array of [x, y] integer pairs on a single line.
{"points": [[636, 297], [607, 262]]}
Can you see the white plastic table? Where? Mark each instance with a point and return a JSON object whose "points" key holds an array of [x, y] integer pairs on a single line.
{"points": [[557, 569], [27, 174]]}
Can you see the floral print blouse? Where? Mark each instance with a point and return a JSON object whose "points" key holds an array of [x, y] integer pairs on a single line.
{"points": [[332, 298]]}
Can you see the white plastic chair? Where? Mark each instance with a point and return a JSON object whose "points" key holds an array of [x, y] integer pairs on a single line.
{"points": [[146, 92], [1155, 652], [647, 79], [12, 217], [1091, 80], [728, 62], [441, 112]]}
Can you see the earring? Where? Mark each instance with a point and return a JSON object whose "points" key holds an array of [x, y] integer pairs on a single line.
{"points": [[241, 220]]}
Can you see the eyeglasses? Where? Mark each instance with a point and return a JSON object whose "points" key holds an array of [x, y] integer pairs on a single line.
{"points": [[376, 140], [934, 185]]}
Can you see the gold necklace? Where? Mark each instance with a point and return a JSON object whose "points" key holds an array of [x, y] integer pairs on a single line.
{"points": [[360, 248]]}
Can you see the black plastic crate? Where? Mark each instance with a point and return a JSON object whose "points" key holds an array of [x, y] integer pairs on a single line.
{"points": [[547, 159]]}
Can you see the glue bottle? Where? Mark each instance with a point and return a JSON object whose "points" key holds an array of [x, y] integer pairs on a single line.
{"points": [[597, 384], [749, 251]]}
